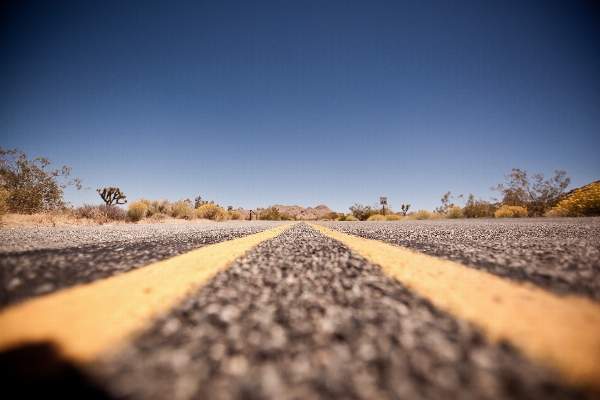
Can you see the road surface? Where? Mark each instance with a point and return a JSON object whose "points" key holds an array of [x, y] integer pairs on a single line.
{"points": [[300, 315]]}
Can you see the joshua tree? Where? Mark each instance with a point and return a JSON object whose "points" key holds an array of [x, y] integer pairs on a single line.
{"points": [[112, 196], [199, 202], [405, 209]]}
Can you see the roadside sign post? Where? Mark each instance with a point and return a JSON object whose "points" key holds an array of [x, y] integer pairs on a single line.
{"points": [[383, 202]]}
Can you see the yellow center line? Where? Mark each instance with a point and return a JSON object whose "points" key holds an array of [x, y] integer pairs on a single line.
{"points": [[560, 332], [89, 320]]}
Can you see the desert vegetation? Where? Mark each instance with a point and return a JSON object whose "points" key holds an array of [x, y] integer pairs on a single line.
{"points": [[582, 202], [31, 193], [522, 196]]}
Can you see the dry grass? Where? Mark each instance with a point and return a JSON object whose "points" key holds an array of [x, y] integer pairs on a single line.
{"points": [[66, 218], [54, 218]]}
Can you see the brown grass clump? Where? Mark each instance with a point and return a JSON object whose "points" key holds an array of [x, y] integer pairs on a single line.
{"points": [[376, 217], [350, 218], [511, 212]]}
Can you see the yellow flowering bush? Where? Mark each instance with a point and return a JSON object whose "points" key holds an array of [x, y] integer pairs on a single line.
{"points": [[584, 202]]}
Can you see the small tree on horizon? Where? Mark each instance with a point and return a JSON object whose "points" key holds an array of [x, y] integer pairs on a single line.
{"points": [[112, 196], [405, 209]]}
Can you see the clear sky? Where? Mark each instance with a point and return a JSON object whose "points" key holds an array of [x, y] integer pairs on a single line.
{"points": [[254, 103]]}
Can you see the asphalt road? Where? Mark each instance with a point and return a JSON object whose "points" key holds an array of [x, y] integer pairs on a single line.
{"points": [[301, 316], [36, 261], [560, 255]]}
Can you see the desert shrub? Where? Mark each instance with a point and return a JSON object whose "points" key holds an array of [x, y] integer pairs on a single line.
{"points": [[114, 213], [478, 208], [511, 212], [272, 214], [101, 213], [422, 214], [393, 217], [4, 193], [332, 216], [557, 212], [182, 209], [584, 202], [536, 195], [211, 211], [159, 216], [363, 213], [454, 212], [376, 217], [350, 218], [32, 188], [235, 215], [137, 210]]}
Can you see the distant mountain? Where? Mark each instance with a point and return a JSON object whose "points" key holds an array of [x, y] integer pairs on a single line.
{"points": [[299, 212]]}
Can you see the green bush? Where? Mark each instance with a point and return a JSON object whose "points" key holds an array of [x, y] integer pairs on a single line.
{"points": [[511, 212], [212, 212], [137, 210]]}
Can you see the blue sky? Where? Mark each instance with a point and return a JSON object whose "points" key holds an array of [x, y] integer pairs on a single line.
{"points": [[253, 103]]}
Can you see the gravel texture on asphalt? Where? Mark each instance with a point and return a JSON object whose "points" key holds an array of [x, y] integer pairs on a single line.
{"points": [[35, 261], [302, 317], [560, 255]]}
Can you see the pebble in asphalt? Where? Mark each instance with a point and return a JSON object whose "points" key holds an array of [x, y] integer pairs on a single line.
{"points": [[302, 317], [36, 261], [559, 255]]}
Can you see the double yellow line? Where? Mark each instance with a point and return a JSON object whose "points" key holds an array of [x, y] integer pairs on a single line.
{"points": [[560, 332], [87, 321]]}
